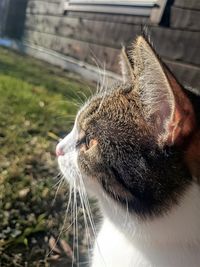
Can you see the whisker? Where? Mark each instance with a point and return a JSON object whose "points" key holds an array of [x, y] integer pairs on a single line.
{"points": [[88, 236], [57, 177], [77, 244], [64, 222], [84, 95], [127, 213], [80, 99], [91, 220], [72, 101], [62, 180], [90, 91], [74, 225], [100, 66]]}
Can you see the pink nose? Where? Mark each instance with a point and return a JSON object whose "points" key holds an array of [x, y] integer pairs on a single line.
{"points": [[59, 151]]}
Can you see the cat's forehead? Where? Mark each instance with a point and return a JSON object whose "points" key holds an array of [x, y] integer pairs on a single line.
{"points": [[119, 104]]}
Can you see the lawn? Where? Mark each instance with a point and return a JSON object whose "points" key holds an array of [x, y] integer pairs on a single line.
{"points": [[37, 106]]}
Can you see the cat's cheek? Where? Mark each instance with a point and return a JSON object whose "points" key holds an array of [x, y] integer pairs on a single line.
{"points": [[90, 182], [69, 168], [92, 186]]}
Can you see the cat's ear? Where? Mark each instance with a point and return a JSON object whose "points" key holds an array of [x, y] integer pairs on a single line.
{"points": [[126, 67], [166, 106]]}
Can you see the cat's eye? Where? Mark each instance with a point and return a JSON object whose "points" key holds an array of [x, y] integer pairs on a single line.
{"points": [[81, 141], [86, 142]]}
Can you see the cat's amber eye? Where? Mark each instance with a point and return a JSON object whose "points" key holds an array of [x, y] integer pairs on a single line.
{"points": [[81, 141], [91, 142], [86, 142]]}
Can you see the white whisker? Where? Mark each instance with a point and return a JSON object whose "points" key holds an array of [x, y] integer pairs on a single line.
{"points": [[66, 213], [74, 225], [61, 181]]}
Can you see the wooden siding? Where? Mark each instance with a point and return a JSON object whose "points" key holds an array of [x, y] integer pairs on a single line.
{"points": [[185, 19], [188, 4], [93, 37], [44, 7]]}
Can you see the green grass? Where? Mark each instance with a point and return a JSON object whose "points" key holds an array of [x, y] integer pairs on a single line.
{"points": [[37, 105]]}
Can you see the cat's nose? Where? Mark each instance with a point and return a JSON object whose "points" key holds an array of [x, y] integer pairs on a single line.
{"points": [[59, 151]]}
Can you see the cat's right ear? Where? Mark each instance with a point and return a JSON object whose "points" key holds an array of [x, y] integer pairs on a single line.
{"points": [[126, 67], [166, 107]]}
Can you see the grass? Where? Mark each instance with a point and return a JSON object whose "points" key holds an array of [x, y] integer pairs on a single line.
{"points": [[37, 105]]}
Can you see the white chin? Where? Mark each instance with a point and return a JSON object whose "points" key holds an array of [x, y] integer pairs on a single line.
{"points": [[69, 168]]}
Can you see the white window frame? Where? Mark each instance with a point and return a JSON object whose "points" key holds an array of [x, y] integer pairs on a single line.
{"points": [[147, 8], [142, 3]]}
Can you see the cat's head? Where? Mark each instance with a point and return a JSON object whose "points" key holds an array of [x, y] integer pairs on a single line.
{"points": [[128, 142]]}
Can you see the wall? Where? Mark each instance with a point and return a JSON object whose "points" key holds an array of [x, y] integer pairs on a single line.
{"points": [[12, 17], [97, 38]]}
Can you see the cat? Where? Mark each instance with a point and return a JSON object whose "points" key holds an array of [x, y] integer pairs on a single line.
{"points": [[136, 148]]}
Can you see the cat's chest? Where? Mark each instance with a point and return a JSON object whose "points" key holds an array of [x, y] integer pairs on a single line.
{"points": [[112, 249]]}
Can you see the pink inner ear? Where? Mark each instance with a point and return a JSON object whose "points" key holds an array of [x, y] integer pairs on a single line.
{"points": [[183, 120]]}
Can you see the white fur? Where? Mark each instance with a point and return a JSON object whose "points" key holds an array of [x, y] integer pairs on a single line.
{"points": [[172, 240], [68, 162], [169, 241], [113, 249]]}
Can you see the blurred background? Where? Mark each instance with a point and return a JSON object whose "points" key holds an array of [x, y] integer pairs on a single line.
{"points": [[52, 55]]}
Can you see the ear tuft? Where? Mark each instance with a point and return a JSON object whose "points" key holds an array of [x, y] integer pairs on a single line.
{"points": [[126, 67]]}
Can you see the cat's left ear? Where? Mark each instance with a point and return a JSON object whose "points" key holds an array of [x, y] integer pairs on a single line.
{"points": [[166, 106], [126, 67]]}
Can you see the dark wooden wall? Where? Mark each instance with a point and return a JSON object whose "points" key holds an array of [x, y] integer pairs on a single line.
{"points": [[97, 38], [12, 17]]}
